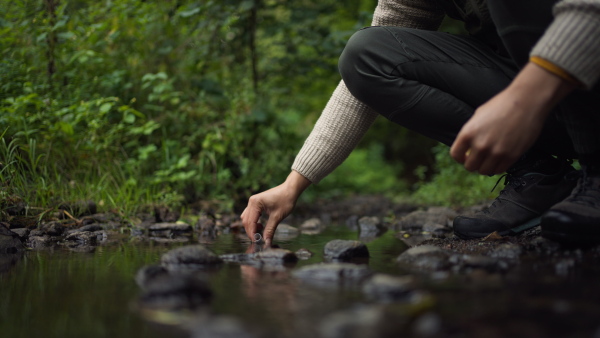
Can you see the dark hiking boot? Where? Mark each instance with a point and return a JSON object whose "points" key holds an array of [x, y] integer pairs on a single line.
{"points": [[576, 220], [520, 205]]}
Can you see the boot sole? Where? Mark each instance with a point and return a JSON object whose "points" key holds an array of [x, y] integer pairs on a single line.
{"points": [[509, 232]]}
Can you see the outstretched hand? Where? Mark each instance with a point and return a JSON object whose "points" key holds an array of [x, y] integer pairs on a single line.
{"points": [[277, 203], [506, 126]]}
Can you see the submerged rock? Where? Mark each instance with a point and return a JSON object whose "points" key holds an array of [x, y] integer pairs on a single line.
{"points": [[370, 225], [268, 257], [10, 242], [219, 327], [339, 249], [190, 257], [276, 256], [425, 257], [388, 288], [175, 292], [336, 273], [304, 253], [359, 322]]}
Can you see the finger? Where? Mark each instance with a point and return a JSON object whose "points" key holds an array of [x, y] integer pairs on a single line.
{"points": [[460, 148], [475, 159], [490, 166], [253, 229], [269, 231]]}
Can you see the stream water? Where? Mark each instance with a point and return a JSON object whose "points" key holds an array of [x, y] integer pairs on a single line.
{"points": [[63, 293]]}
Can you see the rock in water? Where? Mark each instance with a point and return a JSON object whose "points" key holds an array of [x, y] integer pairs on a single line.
{"points": [[9, 241], [191, 256], [388, 288], [340, 273], [425, 257], [340, 249], [370, 225], [175, 292], [276, 256]]}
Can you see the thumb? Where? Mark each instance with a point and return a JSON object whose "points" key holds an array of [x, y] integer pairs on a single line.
{"points": [[459, 149]]}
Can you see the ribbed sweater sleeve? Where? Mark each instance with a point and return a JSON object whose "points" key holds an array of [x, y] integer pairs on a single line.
{"points": [[572, 42], [345, 120]]}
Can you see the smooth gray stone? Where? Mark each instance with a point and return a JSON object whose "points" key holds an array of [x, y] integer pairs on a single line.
{"points": [[341, 273], [388, 288], [425, 257], [181, 227], [192, 255], [345, 249]]}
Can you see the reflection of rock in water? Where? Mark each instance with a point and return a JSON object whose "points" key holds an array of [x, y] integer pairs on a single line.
{"points": [[7, 261], [175, 292], [10, 242]]}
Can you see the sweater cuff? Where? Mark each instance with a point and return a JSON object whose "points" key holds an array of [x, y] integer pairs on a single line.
{"points": [[312, 163], [571, 43]]}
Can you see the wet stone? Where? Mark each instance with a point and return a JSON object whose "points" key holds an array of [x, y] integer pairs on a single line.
{"points": [[276, 256], [509, 251], [39, 242], [425, 257], [22, 232], [370, 225], [387, 288], [175, 292], [340, 249], [304, 253], [53, 228], [359, 322], [352, 222], [441, 216], [82, 238], [89, 227], [190, 257], [10, 242], [337, 273], [467, 262], [286, 232], [311, 224], [176, 227]]}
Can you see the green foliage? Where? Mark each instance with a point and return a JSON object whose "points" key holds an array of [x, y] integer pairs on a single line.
{"points": [[452, 185], [138, 102]]}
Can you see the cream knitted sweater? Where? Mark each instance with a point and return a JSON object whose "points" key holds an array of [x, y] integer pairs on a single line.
{"points": [[572, 43]]}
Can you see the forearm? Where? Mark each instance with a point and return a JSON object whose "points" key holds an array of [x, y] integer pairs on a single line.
{"points": [[295, 184]]}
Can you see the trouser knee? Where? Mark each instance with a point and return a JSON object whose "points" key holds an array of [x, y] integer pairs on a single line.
{"points": [[361, 63]]}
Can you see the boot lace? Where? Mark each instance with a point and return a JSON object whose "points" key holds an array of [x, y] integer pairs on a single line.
{"points": [[587, 191]]}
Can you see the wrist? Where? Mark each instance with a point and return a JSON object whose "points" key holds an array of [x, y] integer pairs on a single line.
{"points": [[538, 90], [296, 183]]}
